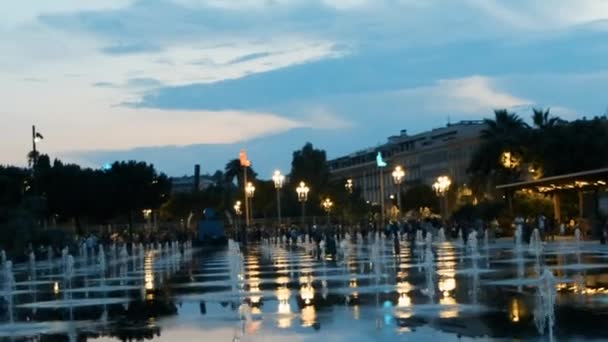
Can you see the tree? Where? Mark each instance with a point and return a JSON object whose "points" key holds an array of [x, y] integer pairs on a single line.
{"points": [[234, 170], [419, 196], [542, 119], [507, 132], [138, 186], [310, 165]]}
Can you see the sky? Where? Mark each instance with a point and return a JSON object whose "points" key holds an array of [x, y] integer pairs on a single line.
{"points": [[181, 82]]}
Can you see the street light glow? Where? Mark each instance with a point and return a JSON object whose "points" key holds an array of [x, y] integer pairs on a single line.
{"points": [[302, 191], [442, 184], [398, 175], [349, 185], [327, 204], [250, 189], [509, 160], [237, 208], [278, 179]]}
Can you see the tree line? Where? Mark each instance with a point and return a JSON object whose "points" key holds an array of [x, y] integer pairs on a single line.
{"points": [[68, 193], [549, 146]]}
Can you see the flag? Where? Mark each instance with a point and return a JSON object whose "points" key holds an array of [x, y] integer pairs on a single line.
{"points": [[243, 158], [39, 136], [380, 161]]}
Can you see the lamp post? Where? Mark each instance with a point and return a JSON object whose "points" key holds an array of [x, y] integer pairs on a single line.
{"points": [[238, 212], [381, 165], [249, 191], [327, 204], [245, 163], [302, 191], [349, 186], [398, 175], [278, 180], [441, 186]]}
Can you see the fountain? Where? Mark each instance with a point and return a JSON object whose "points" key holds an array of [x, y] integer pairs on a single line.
{"points": [[9, 287], [518, 237], [486, 239], [460, 240], [472, 244], [429, 263], [535, 247], [441, 235], [544, 312], [68, 274], [428, 239], [419, 238]]}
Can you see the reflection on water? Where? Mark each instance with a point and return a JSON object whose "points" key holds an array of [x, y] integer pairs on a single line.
{"points": [[284, 308], [281, 293], [517, 310], [309, 316]]}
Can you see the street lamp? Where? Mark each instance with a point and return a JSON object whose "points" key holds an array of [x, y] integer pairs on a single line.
{"points": [[302, 191], [349, 186], [441, 187], [398, 175], [249, 191], [278, 180], [509, 160], [238, 212], [245, 163], [381, 164], [327, 204]]}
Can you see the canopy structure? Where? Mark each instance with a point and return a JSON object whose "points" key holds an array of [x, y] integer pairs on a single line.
{"points": [[590, 181], [584, 180]]}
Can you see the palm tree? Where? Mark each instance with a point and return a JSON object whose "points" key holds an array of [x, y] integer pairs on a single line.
{"points": [[234, 170], [542, 119], [504, 124], [506, 132]]}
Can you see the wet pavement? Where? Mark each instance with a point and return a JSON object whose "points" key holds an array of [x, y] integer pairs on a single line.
{"points": [[278, 292]]}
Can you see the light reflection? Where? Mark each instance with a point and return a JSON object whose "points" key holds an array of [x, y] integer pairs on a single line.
{"points": [[451, 310], [309, 316], [149, 271], [515, 310], [307, 292], [56, 288], [403, 289], [254, 289], [284, 309]]}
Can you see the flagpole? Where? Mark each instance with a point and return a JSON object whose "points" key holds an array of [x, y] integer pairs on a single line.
{"points": [[246, 196], [34, 147]]}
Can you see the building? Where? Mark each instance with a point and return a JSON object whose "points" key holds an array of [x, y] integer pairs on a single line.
{"points": [[191, 183], [424, 156]]}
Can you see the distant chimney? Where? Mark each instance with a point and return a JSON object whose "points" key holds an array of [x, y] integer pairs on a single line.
{"points": [[404, 132], [197, 177]]}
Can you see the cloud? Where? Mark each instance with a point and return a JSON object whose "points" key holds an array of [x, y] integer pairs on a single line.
{"points": [[130, 48], [344, 72], [249, 57], [475, 94]]}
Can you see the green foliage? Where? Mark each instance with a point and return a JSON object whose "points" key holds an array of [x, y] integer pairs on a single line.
{"points": [[532, 204], [418, 196], [309, 165], [486, 210], [552, 144], [234, 170]]}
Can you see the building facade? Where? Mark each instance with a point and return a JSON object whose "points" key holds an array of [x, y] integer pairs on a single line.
{"points": [[194, 183], [424, 156]]}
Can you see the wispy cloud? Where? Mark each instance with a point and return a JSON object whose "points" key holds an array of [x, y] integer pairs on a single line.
{"points": [[230, 71]]}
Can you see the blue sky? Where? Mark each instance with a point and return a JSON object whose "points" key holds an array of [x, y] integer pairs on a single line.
{"points": [[179, 82]]}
